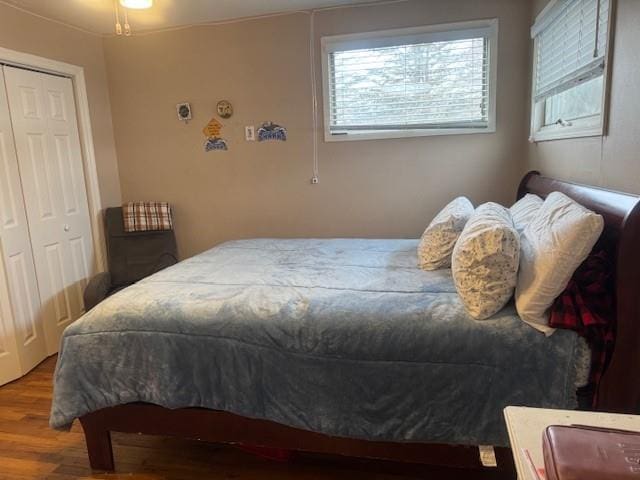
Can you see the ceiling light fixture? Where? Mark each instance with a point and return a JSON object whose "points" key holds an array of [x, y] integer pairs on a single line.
{"points": [[137, 4], [128, 4]]}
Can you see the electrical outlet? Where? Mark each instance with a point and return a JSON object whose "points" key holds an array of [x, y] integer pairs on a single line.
{"points": [[250, 133]]}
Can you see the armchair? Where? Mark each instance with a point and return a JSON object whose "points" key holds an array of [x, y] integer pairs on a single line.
{"points": [[131, 256]]}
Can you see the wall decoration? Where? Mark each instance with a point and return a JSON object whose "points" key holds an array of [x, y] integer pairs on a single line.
{"points": [[272, 131], [184, 112], [212, 132], [212, 129], [225, 109], [215, 143]]}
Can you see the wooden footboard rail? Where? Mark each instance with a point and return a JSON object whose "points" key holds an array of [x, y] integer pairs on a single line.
{"points": [[223, 427]]}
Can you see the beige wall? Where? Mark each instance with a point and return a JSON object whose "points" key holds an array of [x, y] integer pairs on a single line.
{"points": [[379, 188], [26, 33], [611, 161]]}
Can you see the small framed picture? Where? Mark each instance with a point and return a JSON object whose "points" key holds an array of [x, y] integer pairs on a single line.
{"points": [[184, 111]]}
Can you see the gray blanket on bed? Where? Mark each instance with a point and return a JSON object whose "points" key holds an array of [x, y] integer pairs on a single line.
{"points": [[343, 337]]}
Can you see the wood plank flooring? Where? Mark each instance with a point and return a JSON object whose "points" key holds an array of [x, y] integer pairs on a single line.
{"points": [[29, 449]]}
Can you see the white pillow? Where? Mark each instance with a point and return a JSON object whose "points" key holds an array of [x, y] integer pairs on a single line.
{"points": [[438, 240], [524, 210], [485, 261], [553, 245]]}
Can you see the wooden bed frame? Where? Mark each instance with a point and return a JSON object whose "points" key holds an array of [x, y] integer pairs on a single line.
{"points": [[619, 389]]}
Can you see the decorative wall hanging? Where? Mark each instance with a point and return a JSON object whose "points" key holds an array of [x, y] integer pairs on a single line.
{"points": [[184, 112], [212, 132], [212, 129], [225, 109], [215, 143], [272, 131]]}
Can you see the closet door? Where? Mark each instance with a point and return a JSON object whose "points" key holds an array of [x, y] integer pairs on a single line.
{"points": [[21, 332], [9, 362], [49, 154]]}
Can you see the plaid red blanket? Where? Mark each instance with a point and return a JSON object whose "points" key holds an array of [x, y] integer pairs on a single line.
{"points": [[587, 306], [144, 216]]}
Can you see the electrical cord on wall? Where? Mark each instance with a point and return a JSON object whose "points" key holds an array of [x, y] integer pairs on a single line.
{"points": [[314, 97]]}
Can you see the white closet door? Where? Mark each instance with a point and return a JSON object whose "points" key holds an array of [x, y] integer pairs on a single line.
{"points": [[21, 333], [49, 154], [9, 362]]}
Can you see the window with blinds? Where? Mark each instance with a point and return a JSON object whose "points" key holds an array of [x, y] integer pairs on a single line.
{"points": [[571, 45], [570, 54], [414, 81]]}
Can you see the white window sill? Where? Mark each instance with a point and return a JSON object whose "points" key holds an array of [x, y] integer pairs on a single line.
{"points": [[384, 134], [585, 127]]}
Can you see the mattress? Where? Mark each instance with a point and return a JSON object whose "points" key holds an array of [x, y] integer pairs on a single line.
{"points": [[345, 337]]}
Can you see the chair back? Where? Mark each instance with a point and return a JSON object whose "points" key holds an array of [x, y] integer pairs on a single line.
{"points": [[133, 256]]}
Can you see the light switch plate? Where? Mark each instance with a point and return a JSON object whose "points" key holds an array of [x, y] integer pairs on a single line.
{"points": [[250, 133]]}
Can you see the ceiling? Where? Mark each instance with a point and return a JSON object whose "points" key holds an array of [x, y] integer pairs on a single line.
{"points": [[97, 16]]}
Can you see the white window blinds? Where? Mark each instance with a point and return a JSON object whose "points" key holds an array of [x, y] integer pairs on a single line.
{"points": [[571, 44], [435, 80]]}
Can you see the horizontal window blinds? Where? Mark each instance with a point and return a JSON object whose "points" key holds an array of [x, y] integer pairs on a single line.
{"points": [[442, 83], [571, 43]]}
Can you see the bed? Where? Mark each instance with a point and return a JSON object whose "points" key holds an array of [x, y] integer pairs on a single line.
{"points": [[330, 346]]}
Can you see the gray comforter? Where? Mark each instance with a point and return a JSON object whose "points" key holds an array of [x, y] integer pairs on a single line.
{"points": [[343, 337]]}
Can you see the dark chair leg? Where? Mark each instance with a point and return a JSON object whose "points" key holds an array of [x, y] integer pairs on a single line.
{"points": [[99, 448]]}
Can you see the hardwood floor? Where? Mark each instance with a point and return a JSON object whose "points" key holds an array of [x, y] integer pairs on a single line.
{"points": [[30, 449]]}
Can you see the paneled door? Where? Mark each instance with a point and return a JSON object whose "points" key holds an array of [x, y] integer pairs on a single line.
{"points": [[22, 341], [45, 129], [10, 368]]}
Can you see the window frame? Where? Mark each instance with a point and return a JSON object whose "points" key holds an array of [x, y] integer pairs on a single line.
{"points": [[591, 126], [333, 43]]}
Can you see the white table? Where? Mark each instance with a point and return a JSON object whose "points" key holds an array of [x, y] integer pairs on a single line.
{"points": [[525, 426]]}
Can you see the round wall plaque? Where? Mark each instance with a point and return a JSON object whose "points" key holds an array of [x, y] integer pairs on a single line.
{"points": [[225, 109]]}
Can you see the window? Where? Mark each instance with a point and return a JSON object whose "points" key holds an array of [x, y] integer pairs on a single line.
{"points": [[412, 82], [570, 61]]}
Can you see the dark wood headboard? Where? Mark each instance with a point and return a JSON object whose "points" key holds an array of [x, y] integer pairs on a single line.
{"points": [[619, 389]]}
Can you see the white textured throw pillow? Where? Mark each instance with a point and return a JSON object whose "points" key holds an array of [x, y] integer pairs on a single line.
{"points": [[524, 210], [554, 244], [485, 261], [438, 240]]}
